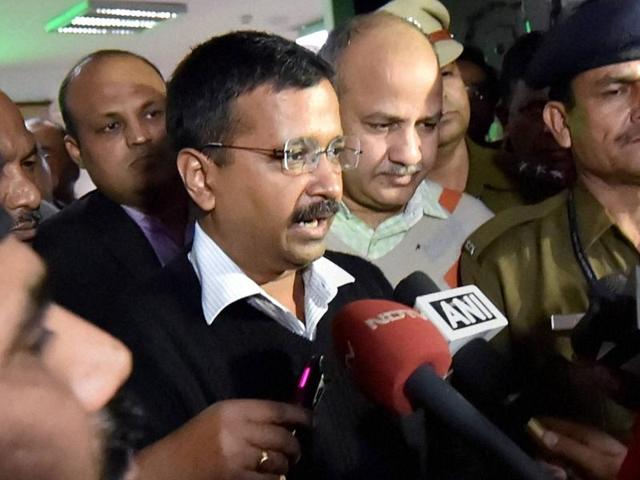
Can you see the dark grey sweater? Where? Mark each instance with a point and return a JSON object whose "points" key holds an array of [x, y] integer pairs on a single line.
{"points": [[182, 365]]}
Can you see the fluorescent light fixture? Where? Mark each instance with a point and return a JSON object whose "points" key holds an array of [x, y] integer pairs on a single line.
{"points": [[313, 35], [112, 22], [97, 17]]}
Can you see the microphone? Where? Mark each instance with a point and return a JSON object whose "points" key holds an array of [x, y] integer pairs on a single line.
{"points": [[397, 358], [460, 314], [497, 389], [609, 332], [386, 366]]}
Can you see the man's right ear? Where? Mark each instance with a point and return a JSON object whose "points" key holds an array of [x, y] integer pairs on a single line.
{"points": [[197, 172], [71, 144], [555, 118]]}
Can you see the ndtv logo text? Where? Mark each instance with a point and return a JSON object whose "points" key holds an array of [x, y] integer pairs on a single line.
{"points": [[391, 316]]}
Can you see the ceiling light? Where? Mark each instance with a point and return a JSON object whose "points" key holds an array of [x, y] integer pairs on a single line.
{"points": [[112, 22], [97, 17]]}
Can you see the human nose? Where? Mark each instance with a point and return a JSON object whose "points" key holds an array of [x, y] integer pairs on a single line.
{"points": [[326, 179], [22, 192], [92, 363], [407, 148], [137, 132]]}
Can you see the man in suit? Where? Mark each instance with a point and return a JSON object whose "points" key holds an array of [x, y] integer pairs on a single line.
{"points": [[113, 104], [256, 124], [19, 195]]}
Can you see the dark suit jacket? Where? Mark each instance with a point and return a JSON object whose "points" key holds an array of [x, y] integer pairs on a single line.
{"points": [[93, 251]]}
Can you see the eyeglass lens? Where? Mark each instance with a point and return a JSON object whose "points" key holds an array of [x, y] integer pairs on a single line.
{"points": [[303, 154]]}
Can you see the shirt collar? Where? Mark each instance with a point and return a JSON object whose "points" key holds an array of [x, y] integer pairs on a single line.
{"points": [[593, 220], [223, 282], [429, 193], [158, 235], [424, 201]]}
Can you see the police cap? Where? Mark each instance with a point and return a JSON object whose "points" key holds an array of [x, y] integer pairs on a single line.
{"points": [[597, 33]]}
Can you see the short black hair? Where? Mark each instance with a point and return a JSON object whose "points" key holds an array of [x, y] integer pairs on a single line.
{"points": [[69, 121], [205, 84], [516, 62]]}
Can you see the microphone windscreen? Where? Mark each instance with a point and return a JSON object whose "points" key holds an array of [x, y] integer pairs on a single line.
{"points": [[383, 343], [481, 374], [611, 316], [414, 286]]}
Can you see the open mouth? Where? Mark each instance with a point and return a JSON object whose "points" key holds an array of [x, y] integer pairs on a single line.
{"points": [[312, 230], [310, 223], [316, 223], [315, 216], [26, 222]]}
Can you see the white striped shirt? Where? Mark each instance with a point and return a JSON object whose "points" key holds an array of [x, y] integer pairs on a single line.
{"points": [[224, 283]]}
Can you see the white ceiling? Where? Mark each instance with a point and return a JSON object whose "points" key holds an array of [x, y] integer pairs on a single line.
{"points": [[33, 62]]}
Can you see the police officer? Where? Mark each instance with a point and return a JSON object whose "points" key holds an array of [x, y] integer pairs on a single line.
{"points": [[541, 260]]}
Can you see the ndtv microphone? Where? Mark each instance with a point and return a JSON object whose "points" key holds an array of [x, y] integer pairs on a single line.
{"points": [[367, 334], [398, 357], [460, 314]]}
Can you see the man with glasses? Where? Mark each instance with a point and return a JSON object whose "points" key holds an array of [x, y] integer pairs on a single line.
{"points": [[390, 214], [255, 122]]}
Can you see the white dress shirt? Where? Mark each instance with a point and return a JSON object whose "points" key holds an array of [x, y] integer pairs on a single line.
{"points": [[224, 283]]}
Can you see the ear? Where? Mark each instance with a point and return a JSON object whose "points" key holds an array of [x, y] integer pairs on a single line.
{"points": [[198, 172], [555, 118], [71, 144]]}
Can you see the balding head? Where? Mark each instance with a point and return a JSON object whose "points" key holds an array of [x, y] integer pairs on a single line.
{"points": [[393, 105], [11, 119], [18, 160], [113, 104], [64, 171], [391, 39], [93, 58]]}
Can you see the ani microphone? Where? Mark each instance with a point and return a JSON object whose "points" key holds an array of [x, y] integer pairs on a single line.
{"points": [[460, 314]]}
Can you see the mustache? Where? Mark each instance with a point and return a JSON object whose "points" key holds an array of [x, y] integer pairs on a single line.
{"points": [[27, 217], [322, 209], [402, 170]]}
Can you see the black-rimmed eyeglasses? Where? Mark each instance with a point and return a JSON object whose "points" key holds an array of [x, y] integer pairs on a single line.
{"points": [[302, 154]]}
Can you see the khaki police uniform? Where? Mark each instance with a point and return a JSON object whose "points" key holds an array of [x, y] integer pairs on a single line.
{"points": [[488, 182], [524, 261]]}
